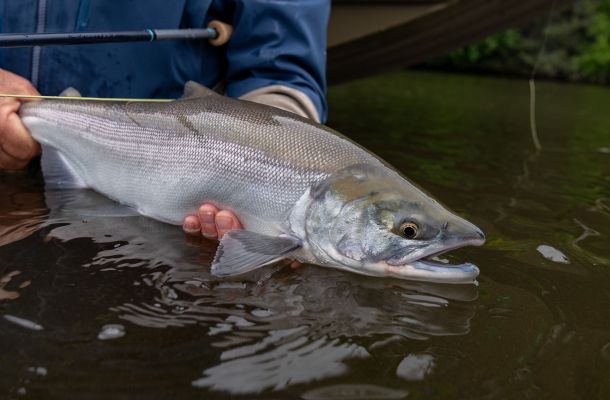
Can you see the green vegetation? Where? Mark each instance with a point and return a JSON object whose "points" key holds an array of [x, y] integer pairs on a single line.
{"points": [[577, 47]]}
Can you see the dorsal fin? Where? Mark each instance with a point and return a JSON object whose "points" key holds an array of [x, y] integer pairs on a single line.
{"points": [[70, 92], [194, 90]]}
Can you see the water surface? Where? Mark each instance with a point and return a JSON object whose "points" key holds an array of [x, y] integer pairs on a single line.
{"points": [[98, 306]]}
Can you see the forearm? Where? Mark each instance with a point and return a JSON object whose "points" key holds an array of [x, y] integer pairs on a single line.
{"points": [[286, 98], [280, 44]]}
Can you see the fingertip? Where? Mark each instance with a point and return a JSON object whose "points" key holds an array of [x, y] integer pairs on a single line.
{"points": [[225, 222], [191, 225], [207, 219], [207, 208], [236, 223]]}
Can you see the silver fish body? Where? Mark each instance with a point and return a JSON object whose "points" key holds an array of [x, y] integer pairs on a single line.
{"points": [[278, 172]]}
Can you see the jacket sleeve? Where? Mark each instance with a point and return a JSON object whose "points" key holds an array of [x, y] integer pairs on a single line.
{"points": [[279, 43]]}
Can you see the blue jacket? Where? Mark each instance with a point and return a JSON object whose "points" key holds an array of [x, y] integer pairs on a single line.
{"points": [[275, 42]]}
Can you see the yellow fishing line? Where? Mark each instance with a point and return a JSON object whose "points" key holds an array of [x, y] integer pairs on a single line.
{"points": [[25, 96]]}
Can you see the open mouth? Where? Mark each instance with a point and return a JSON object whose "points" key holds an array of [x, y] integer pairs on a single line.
{"points": [[432, 269], [427, 252]]}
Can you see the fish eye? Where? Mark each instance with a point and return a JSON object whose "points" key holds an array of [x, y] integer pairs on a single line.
{"points": [[409, 230]]}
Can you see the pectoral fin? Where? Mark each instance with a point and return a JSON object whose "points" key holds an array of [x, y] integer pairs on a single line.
{"points": [[243, 251]]}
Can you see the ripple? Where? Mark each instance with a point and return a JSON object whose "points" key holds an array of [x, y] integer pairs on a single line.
{"points": [[355, 392], [293, 362], [5, 280], [24, 323], [286, 329]]}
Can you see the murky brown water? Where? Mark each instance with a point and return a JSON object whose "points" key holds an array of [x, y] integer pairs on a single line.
{"points": [[109, 307]]}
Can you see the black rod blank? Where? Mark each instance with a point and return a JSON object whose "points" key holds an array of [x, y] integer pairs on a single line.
{"points": [[75, 38]]}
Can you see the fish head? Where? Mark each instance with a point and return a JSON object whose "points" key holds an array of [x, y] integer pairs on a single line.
{"points": [[371, 220]]}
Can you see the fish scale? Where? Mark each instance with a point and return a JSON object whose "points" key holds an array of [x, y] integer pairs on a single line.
{"points": [[257, 163]]}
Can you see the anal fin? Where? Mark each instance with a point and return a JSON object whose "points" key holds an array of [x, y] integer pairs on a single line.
{"points": [[242, 251], [58, 172]]}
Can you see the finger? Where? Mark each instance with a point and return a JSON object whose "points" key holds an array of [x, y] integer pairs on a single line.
{"points": [[15, 139], [15, 84], [191, 225], [18, 141], [226, 221], [207, 220], [26, 89], [11, 163], [8, 105]]}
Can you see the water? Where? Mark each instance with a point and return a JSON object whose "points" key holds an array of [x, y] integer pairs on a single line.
{"points": [[98, 307]]}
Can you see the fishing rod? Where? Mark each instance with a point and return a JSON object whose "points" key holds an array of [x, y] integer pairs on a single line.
{"points": [[217, 33]]}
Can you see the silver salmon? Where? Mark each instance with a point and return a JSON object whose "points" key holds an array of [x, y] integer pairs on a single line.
{"points": [[301, 190]]}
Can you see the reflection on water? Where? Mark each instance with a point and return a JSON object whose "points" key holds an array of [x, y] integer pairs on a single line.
{"points": [[97, 302], [292, 329]]}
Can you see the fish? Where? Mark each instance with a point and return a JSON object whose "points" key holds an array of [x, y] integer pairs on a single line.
{"points": [[301, 190]]}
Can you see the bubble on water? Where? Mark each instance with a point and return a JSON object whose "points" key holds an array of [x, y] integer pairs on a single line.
{"points": [[354, 391], [111, 331], [551, 253], [415, 367]]}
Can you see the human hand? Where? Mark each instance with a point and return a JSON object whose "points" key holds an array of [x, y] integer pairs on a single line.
{"points": [[213, 223], [17, 147]]}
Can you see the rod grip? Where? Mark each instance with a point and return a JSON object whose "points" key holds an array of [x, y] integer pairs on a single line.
{"points": [[224, 32]]}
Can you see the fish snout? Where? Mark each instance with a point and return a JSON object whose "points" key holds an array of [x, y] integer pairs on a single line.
{"points": [[464, 231]]}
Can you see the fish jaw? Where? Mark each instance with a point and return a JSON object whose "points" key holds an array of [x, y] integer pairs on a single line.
{"points": [[433, 272], [416, 266], [420, 270]]}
